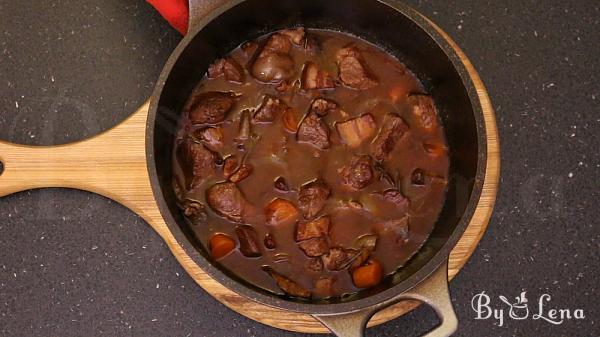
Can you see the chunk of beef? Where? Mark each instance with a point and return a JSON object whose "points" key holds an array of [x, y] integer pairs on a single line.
{"points": [[296, 36], [274, 63], [314, 265], [356, 130], [228, 68], [196, 162], [314, 247], [392, 130], [358, 174], [280, 211], [242, 173], [312, 229], [324, 287], [315, 78], [313, 130], [321, 107], [195, 211], [278, 43], [288, 286], [336, 259], [210, 107], [248, 238], [423, 110], [211, 137], [353, 70], [312, 198], [269, 110], [227, 201]]}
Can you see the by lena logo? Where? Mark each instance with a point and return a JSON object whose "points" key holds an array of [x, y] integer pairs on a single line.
{"points": [[519, 309]]}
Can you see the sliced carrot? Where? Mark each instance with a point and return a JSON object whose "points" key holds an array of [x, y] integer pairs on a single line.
{"points": [[368, 275], [397, 92], [280, 210], [221, 245]]}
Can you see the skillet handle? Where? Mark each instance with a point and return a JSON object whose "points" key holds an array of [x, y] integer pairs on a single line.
{"points": [[433, 291], [199, 9]]}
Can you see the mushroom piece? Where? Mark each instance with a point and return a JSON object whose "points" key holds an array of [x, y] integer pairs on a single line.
{"points": [[288, 286], [244, 128], [274, 62]]}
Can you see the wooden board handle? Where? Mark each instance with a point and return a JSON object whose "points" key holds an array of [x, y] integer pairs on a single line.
{"points": [[112, 164]]}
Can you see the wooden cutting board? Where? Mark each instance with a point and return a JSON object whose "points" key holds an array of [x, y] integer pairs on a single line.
{"points": [[113, 164]]}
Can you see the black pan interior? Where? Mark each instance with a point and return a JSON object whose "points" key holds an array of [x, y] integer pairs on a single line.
{"points": [[369, 19]]}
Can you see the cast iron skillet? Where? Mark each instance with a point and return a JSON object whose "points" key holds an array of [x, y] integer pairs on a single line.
{"points": [[216, 27]]}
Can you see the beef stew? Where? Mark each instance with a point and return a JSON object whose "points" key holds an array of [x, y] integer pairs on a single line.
{"points": [[310, 163]]}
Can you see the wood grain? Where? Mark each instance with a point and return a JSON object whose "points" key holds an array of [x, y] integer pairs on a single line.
{"points": [[113, 164]]}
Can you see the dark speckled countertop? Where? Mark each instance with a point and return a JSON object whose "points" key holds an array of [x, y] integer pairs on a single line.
{"points": [[77, 264]]}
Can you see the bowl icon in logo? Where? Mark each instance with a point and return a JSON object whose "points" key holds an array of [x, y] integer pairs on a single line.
{"points": [[518, 310]]}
